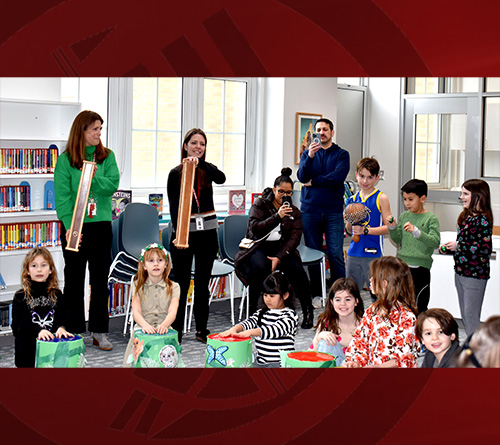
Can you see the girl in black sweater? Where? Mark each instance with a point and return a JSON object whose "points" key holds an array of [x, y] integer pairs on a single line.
{"points": [[38, 308]]}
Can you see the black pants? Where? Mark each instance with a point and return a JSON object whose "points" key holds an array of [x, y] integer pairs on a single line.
{"points": [[259, 268], [203, 246], [96, 251], [422, 282]]}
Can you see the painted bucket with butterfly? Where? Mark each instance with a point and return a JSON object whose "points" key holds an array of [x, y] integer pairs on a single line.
{"points": [[228, 352], [60, 353], [307, 359], [155, 350]]}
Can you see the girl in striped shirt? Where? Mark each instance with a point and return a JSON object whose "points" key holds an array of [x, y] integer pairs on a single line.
{"points": [[274, 326]]}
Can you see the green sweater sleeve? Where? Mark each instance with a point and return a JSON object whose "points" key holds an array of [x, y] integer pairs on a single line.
{"points": [[431, 237], [106, 181], [62, 187]]}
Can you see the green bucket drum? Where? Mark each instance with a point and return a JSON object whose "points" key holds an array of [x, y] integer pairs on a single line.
{"points": [[228, 352], [307, 359], [60, 353], [155, 350]]}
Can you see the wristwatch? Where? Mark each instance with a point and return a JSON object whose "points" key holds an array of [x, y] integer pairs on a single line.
{"points": [[365, 231]]}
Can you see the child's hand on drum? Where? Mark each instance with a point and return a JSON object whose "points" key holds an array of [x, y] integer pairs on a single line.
{"points": [[148, 329], [45, 335], [61, 332], [162, 328], [350, 365], [229, 332], [329, 337]]}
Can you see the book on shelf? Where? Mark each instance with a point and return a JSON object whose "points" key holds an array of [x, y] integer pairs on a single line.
{"points": [[28, 160], [118, 296], [14, 198], [255, 196], [236, 202], [156, 200], [5, 314], [26, 235], [119, 201], [2, 282]]}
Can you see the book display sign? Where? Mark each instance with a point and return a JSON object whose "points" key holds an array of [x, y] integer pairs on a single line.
{"points": [[236, 202]]}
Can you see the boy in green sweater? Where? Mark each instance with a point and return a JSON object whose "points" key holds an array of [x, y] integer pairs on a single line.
{"points": [[417, 233]]}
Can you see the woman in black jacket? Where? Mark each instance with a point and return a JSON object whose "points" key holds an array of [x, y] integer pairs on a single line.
{"points": [[203, 242], [278, 229]]}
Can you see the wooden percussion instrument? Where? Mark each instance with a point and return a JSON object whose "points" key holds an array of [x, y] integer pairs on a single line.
{"points": [[80, 205], [185, 203]]}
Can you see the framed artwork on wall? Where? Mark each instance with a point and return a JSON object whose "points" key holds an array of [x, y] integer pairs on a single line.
{"points": [[304, 127]]}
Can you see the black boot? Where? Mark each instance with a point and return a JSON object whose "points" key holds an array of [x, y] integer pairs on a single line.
{"points": [[307, 318]]}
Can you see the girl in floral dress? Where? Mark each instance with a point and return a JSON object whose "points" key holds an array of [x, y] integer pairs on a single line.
{"points": [[385, 337]]}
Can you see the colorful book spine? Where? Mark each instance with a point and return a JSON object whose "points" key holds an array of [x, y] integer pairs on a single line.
{"points": [[15, 236]]}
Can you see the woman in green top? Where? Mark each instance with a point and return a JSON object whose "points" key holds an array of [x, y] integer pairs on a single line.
{"points": [[84, 143]]}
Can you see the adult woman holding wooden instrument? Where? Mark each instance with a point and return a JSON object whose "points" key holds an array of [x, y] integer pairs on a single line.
{"points": [[84, 144], [201, 225]]}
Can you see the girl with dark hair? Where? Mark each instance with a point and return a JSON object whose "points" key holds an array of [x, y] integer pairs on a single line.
{"points": [[38, 309], [274, 325], [473, 250], [84, 143], [203, 242], [338, 322], [276, 226], [385, 337]]}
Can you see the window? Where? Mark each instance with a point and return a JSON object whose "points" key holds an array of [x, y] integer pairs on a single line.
{"points": [[435, 85], [164, 109], [491, 137], [224, 121], [156, 130], [440, 149]]}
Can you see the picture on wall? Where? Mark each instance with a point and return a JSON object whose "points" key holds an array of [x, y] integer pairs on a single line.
{"points": [[304, 127]]}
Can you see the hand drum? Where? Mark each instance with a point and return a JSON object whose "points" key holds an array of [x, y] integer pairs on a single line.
{"points": [[356, 214]]}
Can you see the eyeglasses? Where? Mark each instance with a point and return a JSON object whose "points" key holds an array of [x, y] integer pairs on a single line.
{"points": [[284, 192]]}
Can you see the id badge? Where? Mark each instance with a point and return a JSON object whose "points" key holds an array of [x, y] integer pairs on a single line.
{"points": [[199, 223], [92, 208]]}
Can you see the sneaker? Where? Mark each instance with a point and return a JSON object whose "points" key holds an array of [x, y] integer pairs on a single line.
{"points": [[102, 341]]}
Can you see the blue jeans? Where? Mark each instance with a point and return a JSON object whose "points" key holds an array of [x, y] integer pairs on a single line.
{"points": [[332, 226]]}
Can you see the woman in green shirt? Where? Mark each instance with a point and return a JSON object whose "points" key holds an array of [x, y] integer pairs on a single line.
{"points": [[84, 143]]}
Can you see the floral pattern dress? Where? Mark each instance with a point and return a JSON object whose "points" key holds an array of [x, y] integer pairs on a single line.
{"points": [[379, 339]]}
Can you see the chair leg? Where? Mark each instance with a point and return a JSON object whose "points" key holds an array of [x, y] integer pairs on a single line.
{"points": [[127, 312], [231, 293], [323, 280]]}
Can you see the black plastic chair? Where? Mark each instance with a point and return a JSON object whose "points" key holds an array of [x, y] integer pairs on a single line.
{"points": [[232, 231], [138, 226]]}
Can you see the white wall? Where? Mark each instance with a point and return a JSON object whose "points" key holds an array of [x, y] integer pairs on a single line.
{"points": [[384, 102], [31, 88]]}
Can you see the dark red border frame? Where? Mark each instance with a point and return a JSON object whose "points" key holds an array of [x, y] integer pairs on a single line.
{"points": [[258, 38]]}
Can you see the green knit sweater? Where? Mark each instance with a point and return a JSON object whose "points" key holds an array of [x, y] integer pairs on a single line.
{"points": [[67, 180], [417, 251]]}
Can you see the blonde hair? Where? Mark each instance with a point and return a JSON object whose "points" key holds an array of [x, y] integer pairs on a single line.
{"points": [[52, 283], [399, 290], [142, 273]]}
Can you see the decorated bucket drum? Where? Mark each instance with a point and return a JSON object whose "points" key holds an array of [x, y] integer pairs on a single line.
{"points": [[60, 353], [307, 359], [228, 352], [155, 350]]}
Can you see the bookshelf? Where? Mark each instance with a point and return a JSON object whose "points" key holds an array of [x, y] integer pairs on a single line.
{"points": [[31, 125]]}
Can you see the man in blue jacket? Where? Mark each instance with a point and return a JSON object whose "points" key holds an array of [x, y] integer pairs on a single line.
{"points": [[323, 169]]}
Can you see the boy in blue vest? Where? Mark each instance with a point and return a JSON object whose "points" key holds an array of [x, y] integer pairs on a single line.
{"points": [[370, 245]]}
